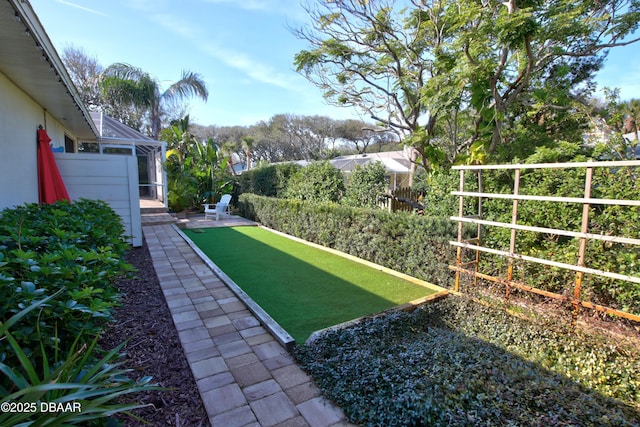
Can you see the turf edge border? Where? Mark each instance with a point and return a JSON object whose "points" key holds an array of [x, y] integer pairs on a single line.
{"points": [[281, 335], [408, 307]]}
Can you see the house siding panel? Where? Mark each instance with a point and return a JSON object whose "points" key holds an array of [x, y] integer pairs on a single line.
{"points": [[20, 117], [19, 120]]}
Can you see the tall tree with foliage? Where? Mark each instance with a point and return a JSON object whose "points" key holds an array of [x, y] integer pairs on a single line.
{"points": [[376, 57], [124, 84], [265, 147], [362, 135], [533, 57], [414, 68]]}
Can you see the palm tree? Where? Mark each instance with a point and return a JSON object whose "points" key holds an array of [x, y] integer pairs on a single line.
{"points": [[229, 149], [125, 84], [247, 145]]}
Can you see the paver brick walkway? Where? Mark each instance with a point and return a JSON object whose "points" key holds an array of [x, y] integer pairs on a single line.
{"points": [[245, 377]]}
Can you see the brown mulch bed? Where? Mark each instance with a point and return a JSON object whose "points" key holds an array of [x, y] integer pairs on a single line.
{"points": [[153, 349]]}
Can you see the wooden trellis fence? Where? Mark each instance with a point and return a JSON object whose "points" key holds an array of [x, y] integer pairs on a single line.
{"points": [[579, 267]]}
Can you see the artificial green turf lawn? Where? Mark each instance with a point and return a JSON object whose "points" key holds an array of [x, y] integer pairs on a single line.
{"points": [[302, 288]]}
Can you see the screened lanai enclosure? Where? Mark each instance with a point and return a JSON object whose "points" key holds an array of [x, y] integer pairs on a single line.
{"points": [[117, 138]]}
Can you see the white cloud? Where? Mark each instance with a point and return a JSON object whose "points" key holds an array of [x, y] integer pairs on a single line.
{"points": [[254, 69], [183, 28], [77, 6]]}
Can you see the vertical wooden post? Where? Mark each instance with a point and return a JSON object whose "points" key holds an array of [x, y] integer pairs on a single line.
{"points": [[583, 240], [479, 228], [456, 286], [512, 241]]}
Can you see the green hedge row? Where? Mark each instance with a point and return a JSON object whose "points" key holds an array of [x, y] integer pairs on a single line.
{"points": [[74, 249], [411, 244], [270, 181]]}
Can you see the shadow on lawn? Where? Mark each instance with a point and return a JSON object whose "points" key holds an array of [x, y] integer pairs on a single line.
{"points": [[301, 296], [449, 363]]}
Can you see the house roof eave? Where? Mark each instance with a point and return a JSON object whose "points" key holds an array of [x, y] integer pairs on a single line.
{"points": [[29, 59]]}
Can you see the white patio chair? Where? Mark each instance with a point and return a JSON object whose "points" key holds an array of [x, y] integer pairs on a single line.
{"points": [[221, 208]]}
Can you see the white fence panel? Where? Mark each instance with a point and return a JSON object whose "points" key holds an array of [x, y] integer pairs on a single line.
{"points": [[111, 178]]}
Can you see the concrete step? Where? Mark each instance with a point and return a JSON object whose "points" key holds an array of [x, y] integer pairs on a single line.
{"points": [[153, 210], [157, 218]]}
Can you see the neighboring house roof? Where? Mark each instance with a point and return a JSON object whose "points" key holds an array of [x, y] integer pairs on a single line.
{"points": [[30, 61], [393, 161]]}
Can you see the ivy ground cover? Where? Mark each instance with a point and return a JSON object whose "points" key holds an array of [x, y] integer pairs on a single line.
{"points": [[458, 363], [303, 288]]}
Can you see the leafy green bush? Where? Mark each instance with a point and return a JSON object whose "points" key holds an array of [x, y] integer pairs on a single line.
{"points": [[196, 172], [317, 182], [74, 249], [366, 184], [270, 181], [619, 183], [412, 244], [455, 362], [437, 186]]}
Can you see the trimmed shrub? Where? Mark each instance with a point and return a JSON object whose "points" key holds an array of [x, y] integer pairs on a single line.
{"points": [[74, 250], [318, 182], [608, 183], [619, 183], [414, 245], [270, 181], [366, 184]]}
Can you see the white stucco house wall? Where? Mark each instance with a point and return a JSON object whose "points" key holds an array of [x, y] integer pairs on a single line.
{"points": [[36, 90]]}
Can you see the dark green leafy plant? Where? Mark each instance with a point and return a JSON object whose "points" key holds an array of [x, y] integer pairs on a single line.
{"points": [[72, 250], [456, 362], [437, 186], [195, 170], [270, 181], [608, 183], [81, 388]]}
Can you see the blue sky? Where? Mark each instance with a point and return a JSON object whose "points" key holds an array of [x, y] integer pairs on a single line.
{"points": [[242, 49]]}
